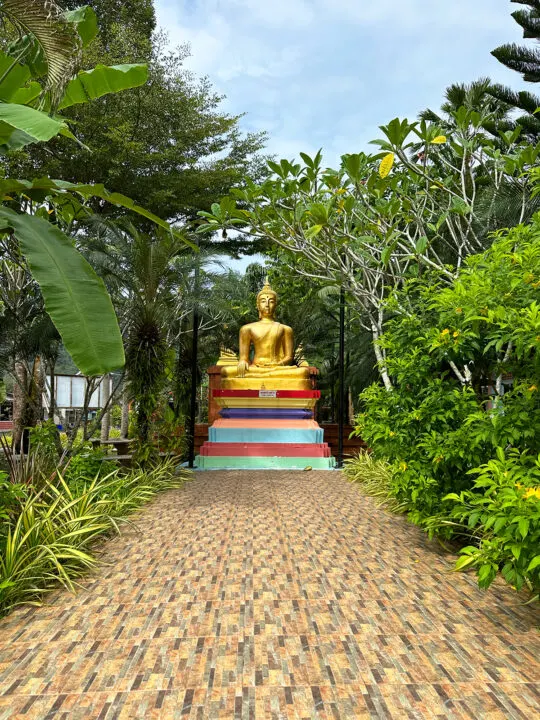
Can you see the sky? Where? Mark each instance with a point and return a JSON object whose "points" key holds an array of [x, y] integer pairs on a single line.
{"points": [[326, 73]]}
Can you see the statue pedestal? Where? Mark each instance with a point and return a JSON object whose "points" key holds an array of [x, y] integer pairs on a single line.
{"points": [[214, 383], [263, 428]]}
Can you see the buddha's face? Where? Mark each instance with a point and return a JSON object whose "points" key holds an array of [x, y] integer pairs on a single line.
{"points": [[266, 305]]}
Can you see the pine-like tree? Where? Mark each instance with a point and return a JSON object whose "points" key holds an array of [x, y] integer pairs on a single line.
{"points": [[525, 60]]}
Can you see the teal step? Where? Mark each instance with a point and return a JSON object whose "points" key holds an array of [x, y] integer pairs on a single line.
{"points": [[265, 435], [229, 462]]}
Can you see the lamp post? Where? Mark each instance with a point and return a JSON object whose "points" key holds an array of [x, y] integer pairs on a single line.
{"points": [[341, 377], [194, 350]]}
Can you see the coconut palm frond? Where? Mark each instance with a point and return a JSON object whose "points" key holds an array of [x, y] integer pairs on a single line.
{"points": [[58, 39]]}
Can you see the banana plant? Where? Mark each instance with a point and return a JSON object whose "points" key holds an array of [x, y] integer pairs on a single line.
{"points": [[39, 77]]}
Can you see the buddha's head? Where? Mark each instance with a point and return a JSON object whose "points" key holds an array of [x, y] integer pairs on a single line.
{"points": [[266, 302]]}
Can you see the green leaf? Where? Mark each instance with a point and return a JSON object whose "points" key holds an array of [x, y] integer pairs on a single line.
{"points": [[312, 231], [75, 297], [499, 523], [59, 40], [25, 95], [535, 562], [37, 125], [352, 164], [464, 562], [102, 80], [421, 244], [523, 527], [386, 255], [460, 207], [85, 20], [55, 187], [14, 76]]}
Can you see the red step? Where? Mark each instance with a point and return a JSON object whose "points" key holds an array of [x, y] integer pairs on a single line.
{"points": [[256, 393]]}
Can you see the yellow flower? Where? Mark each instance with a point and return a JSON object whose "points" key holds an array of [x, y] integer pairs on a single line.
{"points": [[446, 331], [403, 465], [519, 485], [459, 310], [532, 492], [439, 140], [456, 334], [392, 433], [386, 165], [533, 388]]}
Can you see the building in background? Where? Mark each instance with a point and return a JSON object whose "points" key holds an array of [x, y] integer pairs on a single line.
{"points": [[69, 395]]}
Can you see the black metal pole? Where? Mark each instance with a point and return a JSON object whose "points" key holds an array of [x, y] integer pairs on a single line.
{"points": [[341, 382], [194, 349]]}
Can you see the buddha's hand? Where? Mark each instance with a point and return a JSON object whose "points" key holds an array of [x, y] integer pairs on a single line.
{"points": [[242, 368]]}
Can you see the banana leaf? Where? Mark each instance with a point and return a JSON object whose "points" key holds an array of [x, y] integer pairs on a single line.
{"points": [[75, 297], [102, 80], [43, 187], [36, 125]]}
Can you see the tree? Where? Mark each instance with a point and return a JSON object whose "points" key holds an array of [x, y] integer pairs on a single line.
{"points": [[136, 17], [474, 96], [169, 146], [42, 75], [380, 219], [507, 202], [526, 61]]}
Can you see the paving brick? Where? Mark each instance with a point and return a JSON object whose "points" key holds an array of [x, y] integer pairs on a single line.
{"points": [[272, 595]]}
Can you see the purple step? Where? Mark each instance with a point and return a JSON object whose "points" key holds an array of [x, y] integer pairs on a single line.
{"points": [[266, 413]]}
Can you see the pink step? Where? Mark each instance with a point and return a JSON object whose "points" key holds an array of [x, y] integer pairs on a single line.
{"points": [[265, 449]]}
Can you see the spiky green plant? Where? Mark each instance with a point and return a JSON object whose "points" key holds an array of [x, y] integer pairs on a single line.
{"points": [[50, 540], [375, 479]]}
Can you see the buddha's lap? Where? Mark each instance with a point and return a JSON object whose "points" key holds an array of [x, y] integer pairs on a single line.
{"points": [[275, 371]]}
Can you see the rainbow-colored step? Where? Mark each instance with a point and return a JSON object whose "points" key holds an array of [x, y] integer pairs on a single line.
{"points": [[265, 429]]}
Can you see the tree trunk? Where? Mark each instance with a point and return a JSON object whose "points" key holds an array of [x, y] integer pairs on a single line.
{"points": [[91, 385], [124, 423], [106, 419], [381, 360], [36, 394], [351, 408], [52, 393], [20, 400]]}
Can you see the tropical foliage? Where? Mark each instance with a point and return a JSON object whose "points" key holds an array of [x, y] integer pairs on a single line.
{"points": [[465, 375], [425, 203], [39, 75], [526, 61], [47, 535]]}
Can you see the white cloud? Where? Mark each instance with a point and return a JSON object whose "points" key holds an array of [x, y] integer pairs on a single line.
{"points": [[328, 72]]}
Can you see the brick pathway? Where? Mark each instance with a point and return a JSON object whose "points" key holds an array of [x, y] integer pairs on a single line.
{"points": [[272, 595]]}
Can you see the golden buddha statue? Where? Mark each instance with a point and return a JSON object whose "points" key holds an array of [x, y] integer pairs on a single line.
{"points": [[273, 366]]}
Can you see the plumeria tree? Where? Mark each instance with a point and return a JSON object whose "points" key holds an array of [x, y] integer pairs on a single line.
{"points": [[379, 219]]}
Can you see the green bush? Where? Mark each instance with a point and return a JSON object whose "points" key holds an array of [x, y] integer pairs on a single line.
{"points": [[448, 348], [502, 515], [87, 463], [50, 539], [10, 496]]}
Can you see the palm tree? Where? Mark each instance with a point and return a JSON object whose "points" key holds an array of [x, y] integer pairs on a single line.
{"points": [[475, 96], [525, 60], [510, 202]]}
